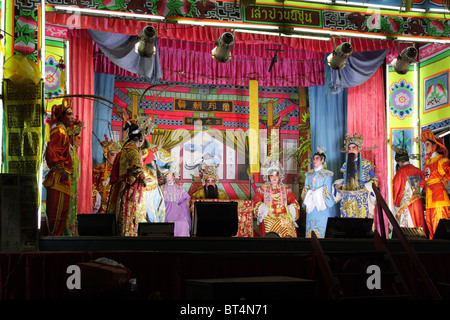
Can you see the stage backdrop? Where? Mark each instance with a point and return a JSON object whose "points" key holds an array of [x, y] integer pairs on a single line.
{"points": [[209, 124]]}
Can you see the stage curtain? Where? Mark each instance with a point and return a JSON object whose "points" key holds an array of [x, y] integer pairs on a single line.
{"points": [[366, 114], [171, 138], [360, 66], [82, 82], [183, 61], [102, 113], [328, 119], [208, 34], [120, 49]]}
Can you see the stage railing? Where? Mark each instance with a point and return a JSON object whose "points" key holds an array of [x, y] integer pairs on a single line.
{"points": [[416, 263]]}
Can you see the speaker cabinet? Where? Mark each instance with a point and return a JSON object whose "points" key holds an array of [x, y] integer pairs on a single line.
{"points": [[349, 228], [156, 229], [442, 230], [103, 224], [215, 219]]}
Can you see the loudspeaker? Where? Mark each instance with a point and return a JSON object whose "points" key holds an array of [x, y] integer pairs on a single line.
{"points": [[215, 219], [442, 230], [411, 233], [102, 224], [349, 228], [156, 229]]}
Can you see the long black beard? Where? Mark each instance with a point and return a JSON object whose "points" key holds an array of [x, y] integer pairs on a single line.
{"points": [[351, 166], [211, 192]]}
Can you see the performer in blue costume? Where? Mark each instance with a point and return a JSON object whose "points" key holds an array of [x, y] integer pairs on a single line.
{"points": [[317, 195], [357, 199], [160, 163]]}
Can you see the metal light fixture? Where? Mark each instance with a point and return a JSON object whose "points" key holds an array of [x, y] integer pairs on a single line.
{"points": [[406, 57], [222, 51], [145, 47], [339, 57]]}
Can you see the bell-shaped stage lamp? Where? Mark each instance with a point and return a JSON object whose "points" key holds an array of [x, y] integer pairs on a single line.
{"points": [[145, 47], [406, 57], [339, 57], [222, 51]]}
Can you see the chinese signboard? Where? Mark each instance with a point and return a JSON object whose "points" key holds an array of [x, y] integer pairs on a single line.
{"points": [[202, 105]]}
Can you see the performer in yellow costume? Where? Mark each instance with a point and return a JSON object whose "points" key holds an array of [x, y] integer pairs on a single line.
{"points": [[435, 175], [209, 190], [101, 175], [127, 182], [276, 207]]}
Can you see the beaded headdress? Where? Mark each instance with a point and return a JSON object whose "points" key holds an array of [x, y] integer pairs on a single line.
{"points": [[270, 166], [207, 172], [356, 139], [108, 145]]}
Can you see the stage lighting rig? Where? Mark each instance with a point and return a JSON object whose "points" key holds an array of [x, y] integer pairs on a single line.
{"points": [[222, 51], [145, 47], [406, 57], [338, 58]]}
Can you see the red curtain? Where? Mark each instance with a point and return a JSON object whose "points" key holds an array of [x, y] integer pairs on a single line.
{"points": [[366, 115], [82, 82]]}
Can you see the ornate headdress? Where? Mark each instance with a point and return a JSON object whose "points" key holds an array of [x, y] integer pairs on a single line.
{"points": [[58, 109], [108, 146], [145, 124], [356, 139], [271, 165], [427, 134], [207, 172]]}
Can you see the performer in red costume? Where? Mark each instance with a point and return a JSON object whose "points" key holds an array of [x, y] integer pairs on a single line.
{"points": [[57, 181], [276, 207], [408, 199], [435, 174]]}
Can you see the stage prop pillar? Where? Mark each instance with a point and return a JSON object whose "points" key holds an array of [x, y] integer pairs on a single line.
{"points": [[253, 137]]}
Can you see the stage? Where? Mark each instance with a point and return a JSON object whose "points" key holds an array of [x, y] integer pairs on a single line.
{"points": [[175, 268], [229, 244]]}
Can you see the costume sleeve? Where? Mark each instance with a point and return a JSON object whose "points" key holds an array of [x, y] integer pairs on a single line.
{"points": [[258, 199], [292, 200], [398, 188], [132, 163], [56, 153], [327, 190], [444, 168], [306, 187], [165, 160]]}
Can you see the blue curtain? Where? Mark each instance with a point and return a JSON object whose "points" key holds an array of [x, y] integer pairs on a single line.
{"points": [[359, 68], [119, 49], [328, 118], [102, 113]]}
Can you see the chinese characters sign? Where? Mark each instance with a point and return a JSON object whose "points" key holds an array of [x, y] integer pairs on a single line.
{"points": [[202, 105], [190, 121]]}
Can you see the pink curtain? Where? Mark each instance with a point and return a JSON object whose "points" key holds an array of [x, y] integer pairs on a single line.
{"points": [[82, 82], [183, 61], [209, 34], [366, 114]]}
